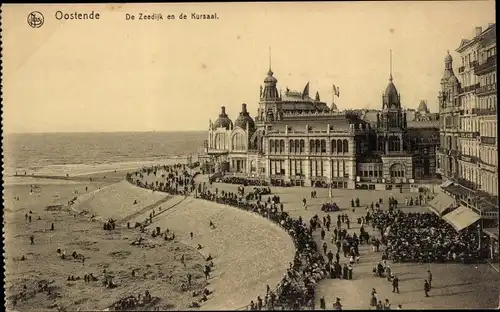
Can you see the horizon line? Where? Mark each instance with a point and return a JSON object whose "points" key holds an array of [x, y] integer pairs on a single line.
{"points": [[95, 132]]}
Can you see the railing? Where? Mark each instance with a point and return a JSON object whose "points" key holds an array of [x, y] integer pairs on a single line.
{"points": [[488, 140], [488, 167], [469, 158], [489, 64], [473, 64], [482, 90], [486, 111], [468, 134], [469, 88]]}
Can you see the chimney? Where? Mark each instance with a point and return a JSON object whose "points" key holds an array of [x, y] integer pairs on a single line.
{"points": [[479, 30], [223, 110], [243, 108]]}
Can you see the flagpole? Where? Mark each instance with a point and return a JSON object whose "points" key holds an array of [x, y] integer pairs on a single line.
{"points": [[333, 97]]}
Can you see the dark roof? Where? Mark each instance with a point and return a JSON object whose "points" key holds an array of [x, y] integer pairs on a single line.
{"points": [[316, 125]]}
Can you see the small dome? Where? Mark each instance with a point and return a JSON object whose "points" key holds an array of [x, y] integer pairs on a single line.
{"points": [[270, 77], [223, 121], [448, 58], [244, 119]]}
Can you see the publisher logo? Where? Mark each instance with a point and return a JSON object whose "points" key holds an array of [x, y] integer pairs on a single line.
{"points": [[35, 19]]}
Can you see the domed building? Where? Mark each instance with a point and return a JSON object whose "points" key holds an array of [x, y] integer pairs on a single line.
{"points": [[245, 120], [223, 121], [296, 139]]}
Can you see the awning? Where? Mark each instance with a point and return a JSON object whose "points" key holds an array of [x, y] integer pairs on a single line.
{"points": [[446, 183], [461, 218], [440, 203]]}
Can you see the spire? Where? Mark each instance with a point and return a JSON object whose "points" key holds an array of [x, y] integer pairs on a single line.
{"points": [[390, 65], [270, 60]]}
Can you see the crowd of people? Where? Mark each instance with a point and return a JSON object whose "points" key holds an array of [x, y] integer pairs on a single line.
{"points": [[423, 237], [298, 285]]}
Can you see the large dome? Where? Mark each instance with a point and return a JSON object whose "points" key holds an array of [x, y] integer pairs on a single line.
{"points": [[244, 119], [223, 121]]}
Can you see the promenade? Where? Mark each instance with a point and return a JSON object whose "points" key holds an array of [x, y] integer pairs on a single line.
{"points": [[454, 285]]}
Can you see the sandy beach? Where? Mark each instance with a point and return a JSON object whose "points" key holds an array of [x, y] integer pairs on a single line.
{"points": [[107, 253], [241, 240]]}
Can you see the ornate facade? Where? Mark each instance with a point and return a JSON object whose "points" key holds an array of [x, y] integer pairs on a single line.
{"points": [[300, 140]]}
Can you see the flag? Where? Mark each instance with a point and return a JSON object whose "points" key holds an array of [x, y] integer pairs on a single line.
{"points": [[336, 91]]}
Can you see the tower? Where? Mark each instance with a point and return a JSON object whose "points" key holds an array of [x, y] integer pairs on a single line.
{"points": [[269, 97], [392, 115], [449, 84], [391, 122]]}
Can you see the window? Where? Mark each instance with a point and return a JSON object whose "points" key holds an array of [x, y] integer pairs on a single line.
{"points": [[339, 146], [323, 146]]}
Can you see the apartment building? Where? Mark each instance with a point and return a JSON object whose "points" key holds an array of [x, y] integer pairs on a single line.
{"points": [[467, 158]]}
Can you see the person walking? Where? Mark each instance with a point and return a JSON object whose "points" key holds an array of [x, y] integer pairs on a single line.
{"points": [[427, 288], [395, 285], [429, 278]]}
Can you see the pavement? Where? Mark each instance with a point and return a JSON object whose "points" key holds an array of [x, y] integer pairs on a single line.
{"points": [[454, 285]]}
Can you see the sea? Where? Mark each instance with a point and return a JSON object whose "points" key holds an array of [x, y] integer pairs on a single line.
{"points": [[83, 152]]}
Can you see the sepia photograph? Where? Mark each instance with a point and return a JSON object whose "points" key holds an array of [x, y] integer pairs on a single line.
{"points": [[250, 156]]}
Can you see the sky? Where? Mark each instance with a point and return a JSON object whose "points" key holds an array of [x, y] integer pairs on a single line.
{"points": [[114, 74]]}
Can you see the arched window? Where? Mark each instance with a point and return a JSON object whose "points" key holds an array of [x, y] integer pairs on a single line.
{"points": [[220, 141], [302, 146], [339, 146], [297, 146], [323, 146], [345, 144], [291, 147], [238, 142], [334, 146], [311, 146], [271, 146], [282, 146], [397, 171], [317, 145]]}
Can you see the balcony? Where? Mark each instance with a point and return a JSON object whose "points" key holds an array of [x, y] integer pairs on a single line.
{"points": [[469, 88], [470, 159], [486, 112], [488, 140], [468, 135], [473, 64], [486, 89], [461, 69], [489, 65]]}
